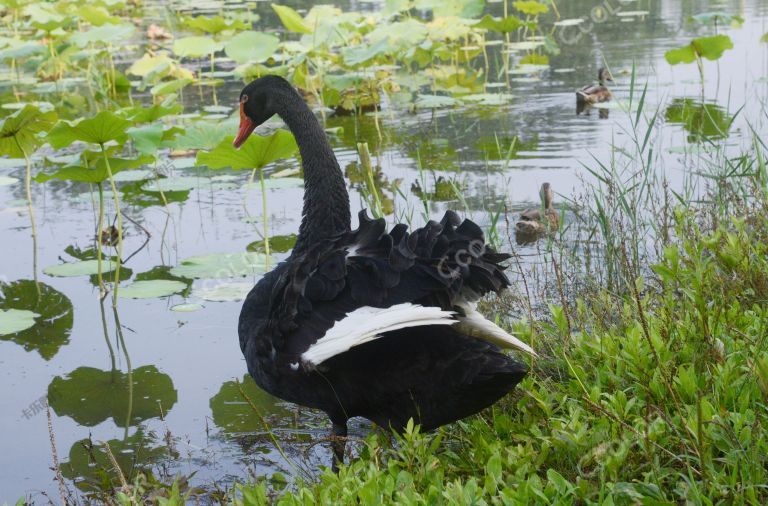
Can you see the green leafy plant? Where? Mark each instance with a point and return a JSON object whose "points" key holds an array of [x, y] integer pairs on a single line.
{"points": [[254, 154], [106, 127], [20, 136]]}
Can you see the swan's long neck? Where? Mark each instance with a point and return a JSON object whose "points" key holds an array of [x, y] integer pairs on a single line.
{"points": [[326, 202]]}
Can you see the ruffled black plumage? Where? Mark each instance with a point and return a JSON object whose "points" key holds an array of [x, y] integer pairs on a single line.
{"points": [[436, 265]]}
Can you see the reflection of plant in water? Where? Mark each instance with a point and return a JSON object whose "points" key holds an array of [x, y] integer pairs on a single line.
{"points": [[91, 469], [702, 120], [445, 190], [506, 148], [91, 396], [53, 323], [371, 182], [233, 414]]}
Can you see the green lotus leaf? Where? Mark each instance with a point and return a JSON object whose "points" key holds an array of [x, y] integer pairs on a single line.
{"points": [[503, 25], [151, 289], [104, 34], [173, 184], [200, 135], [221, 265], [94, 174], [251, 46], [292, 20], [531, 7], [255, 153], [187, 307], [462, 8], [711, 48], [82, 268], [19, 132], [104, 127], [196, 46]]}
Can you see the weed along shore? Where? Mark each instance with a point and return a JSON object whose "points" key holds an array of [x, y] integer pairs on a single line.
{"points": [[506, 252]]}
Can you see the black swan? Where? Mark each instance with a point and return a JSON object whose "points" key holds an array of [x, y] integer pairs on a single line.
{"points": [[369, 322]]}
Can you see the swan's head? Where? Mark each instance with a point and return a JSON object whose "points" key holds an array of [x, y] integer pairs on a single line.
{"points": [[604, 75], [258, 104]]}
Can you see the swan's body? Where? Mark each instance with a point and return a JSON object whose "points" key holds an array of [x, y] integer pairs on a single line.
{"points": [[369, 322], [534, 222], [596, 93]]}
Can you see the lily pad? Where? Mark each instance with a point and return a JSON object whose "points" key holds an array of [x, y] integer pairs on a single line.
{"points": [[434, 101], [196, 46], [488, 98], [569, 22], [624, 14], [251, 46], [151, 288], [83, 268], [291, 171], [6, 181], [13, 321], [187, 307], [221, 265], [279, 183], [173, 184], [225, 292], [134, 175], [51, 330]]}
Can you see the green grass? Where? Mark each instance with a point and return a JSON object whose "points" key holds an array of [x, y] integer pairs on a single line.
{"points": [[656, 396]]}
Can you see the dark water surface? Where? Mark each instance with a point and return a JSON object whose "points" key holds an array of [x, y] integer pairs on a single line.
{"points": [[185, 413]]}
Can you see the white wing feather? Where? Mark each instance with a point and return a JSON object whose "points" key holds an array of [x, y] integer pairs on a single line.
{"points": [[369, 323]]}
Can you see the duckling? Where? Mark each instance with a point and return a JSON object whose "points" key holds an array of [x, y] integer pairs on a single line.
{"points": [[534, 222], [596, 93]]}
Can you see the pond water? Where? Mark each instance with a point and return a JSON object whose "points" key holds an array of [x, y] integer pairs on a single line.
{"points": [[184, 412]]}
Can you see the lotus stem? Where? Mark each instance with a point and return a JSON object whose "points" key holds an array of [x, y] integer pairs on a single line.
{"points": [[264, 211], [99, 228], [30, 207], [119, 226]]}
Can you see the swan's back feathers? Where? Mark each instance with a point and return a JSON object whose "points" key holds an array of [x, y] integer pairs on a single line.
{"points": [[440, 265]]}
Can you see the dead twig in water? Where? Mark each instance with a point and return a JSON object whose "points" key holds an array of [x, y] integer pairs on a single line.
{"points": [[59, 477]]}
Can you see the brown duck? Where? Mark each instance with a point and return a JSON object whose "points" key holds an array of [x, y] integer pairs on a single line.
{"points": [[596, 93], [535, 221]]}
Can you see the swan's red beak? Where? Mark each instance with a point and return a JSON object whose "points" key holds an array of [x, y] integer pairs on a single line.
{"points": [[246, 127]]}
